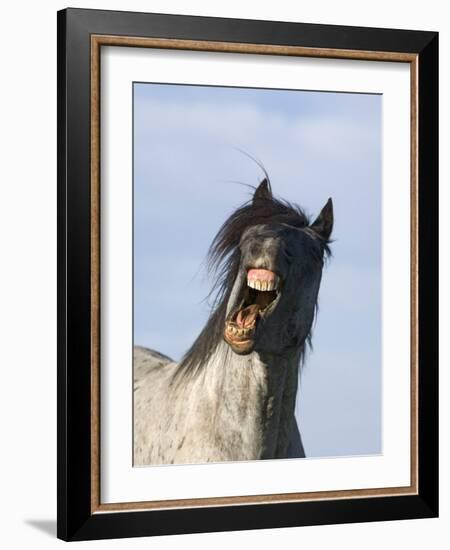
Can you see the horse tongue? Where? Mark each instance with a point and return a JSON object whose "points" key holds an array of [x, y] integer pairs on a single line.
{"points": [[247, 316]]}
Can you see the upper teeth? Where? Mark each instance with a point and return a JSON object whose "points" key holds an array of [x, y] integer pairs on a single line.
{"points": [[263, 285]]}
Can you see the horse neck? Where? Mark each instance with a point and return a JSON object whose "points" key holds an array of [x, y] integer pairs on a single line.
{"points": [[253, 397]]}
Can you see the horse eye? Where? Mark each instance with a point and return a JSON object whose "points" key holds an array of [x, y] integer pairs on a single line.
{"points": [[317, 254], [288, 255]]}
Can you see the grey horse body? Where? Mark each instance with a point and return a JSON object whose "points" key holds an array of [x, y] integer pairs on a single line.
{"points": [[232, 397], [253, 420]]}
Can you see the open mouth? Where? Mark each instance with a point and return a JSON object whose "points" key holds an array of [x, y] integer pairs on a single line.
{"points": [[258, 301]]}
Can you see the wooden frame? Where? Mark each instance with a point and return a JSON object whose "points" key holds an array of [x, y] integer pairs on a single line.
{"points": [[81, 34]]}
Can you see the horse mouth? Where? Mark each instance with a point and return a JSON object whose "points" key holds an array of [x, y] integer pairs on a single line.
{"points": [[259, 298]]}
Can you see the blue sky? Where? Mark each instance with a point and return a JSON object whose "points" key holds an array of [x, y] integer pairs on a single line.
{"points": [[314, 145]]}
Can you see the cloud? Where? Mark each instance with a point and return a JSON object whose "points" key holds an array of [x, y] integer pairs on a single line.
{"points": [[186, 126]]}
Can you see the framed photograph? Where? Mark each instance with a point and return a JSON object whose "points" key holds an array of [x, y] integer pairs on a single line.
{"points": [[247, 255]]}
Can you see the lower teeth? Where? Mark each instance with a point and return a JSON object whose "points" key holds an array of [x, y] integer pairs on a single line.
{"points": [[239, 331]]}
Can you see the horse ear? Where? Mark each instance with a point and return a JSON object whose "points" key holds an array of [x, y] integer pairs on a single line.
{"points": [[323, 225], [263, 191]]}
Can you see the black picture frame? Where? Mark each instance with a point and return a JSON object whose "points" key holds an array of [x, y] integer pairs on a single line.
{"points": [[76, 518]]}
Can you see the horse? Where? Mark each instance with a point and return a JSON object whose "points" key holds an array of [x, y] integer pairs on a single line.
{"points": [[232, 397]]}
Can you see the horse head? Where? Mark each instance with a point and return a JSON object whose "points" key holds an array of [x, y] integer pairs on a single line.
{"points": [[277, 259]]}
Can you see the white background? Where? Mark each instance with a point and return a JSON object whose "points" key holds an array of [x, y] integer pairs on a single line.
{"points": [[28, 274], [119, 481]]}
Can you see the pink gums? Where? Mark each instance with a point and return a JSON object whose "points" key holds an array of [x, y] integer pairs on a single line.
{"points": [[261, 275]]}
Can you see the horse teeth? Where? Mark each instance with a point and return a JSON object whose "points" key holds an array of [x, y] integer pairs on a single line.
{"points": [[240, 332], [264, 286]]}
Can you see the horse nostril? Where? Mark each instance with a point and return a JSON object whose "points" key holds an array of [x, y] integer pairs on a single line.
{"points": [[255, 249]]}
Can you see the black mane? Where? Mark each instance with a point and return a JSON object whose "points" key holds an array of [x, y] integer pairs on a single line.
{"points": [[223, 262]]}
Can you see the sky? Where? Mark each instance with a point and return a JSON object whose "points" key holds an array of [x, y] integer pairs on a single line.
{"points": [[189, 172]]}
